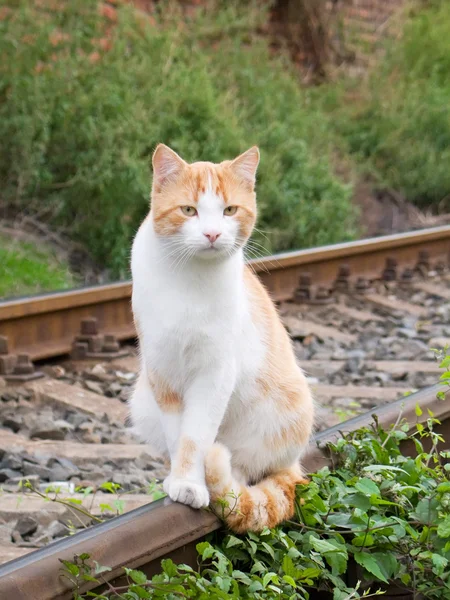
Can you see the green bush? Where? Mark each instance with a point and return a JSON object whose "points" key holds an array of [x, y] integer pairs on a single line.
{"points": [[84, 100], [376, 516], [402, 126]]}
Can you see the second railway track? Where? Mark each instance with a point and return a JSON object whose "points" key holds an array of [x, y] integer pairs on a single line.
{"points": [[362, 317]]}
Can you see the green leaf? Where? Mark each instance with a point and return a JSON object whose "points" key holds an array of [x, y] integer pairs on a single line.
{"points": [[387, 562], [426, 510], [253, 546], [443, 529], [358, 501], [367, 486], [205, 550], [288, 566], [363, 540], [109, 486], [439, 563], [289, 580], [234, 541], [268, 549], [140, 591], [340, 594], [84, 556], [322, 546], [71, 567], [419, 411], [269, 577], [137, 576], [86, 577], [240, 576], [445, 363], [169, 567], [337, 561], [367, 561]]}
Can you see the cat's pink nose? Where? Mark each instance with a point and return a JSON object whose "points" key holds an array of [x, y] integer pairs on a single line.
{"points": [[212, 236]]}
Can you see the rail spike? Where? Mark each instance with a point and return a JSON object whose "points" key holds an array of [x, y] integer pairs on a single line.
{"points": [[90, 344], [16, 367], [423, 263], [342, 281], [390, 270]]}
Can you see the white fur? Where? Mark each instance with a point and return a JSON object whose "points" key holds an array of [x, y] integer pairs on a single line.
{"points": [[197, 333]]}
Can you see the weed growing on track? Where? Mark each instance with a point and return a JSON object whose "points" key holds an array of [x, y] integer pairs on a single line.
{"points": [[443, 356], [80, 504], [375, 513]]}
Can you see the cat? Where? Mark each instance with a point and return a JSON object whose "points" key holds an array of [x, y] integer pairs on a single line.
{"points": [[219, 392]]}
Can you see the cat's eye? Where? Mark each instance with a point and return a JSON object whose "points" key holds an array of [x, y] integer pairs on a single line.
{"points": [[189, 211], [230, 211]]}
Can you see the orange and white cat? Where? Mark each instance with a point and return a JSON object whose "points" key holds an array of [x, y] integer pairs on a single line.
{"points": [[219, 391]]}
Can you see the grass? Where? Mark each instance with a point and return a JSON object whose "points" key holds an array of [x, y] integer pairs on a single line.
{"points": [[28, 269], [86, 96], [396, 126]]}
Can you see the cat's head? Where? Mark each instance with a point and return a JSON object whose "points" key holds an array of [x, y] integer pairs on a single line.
{"points": [[204, 209]]}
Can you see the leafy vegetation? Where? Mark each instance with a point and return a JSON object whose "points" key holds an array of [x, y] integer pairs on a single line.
{"points": [[398, 126], [375, 517], [78, 502], [85, 95], [27, 269]]}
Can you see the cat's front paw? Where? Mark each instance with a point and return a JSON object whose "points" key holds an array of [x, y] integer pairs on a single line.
{"points": [[187, 492]]}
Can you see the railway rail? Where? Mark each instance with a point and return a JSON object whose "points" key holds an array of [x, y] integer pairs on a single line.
{"points": [[362, 317]]}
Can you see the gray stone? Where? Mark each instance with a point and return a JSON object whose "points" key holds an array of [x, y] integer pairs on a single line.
{"points": [[358, 354], [48, 434], [93, 386], [10, 396], [57, 529], [5, 534], [407, 333], [62, 469], [16, 537], [75, 419], [64, 425], [353, 365], [33, 469], [8, 474], [13, 423], [26, 526], [114, 389], [11, 461]]}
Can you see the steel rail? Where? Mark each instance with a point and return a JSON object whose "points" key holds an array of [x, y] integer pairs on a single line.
{"points": [[44, 326], [142, 537]]}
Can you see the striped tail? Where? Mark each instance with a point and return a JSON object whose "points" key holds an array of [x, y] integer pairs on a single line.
{"points": [[250, 508]]}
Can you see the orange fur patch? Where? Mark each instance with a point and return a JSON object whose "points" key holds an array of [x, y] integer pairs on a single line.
{"points": [[272, 509], [167, 399], [273, 503], [242, 513], [185, 457], [281, 379]]}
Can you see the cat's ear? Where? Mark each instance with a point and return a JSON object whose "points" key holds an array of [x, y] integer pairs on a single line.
{"points": [[245, 165], [166, 164]]}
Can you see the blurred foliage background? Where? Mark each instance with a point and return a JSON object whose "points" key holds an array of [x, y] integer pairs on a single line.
{"points": [[87, 89]]}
